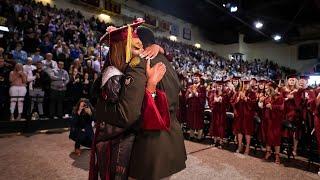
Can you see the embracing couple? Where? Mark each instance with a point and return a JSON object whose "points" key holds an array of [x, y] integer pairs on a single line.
{"points": [[137, 134]]}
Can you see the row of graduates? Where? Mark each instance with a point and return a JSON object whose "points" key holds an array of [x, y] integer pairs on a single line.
{"points": [[274, 103]]}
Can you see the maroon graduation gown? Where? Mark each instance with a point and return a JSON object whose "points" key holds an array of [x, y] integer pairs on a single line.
{"points": [[182, 111], [244, 112], [195, 109], [273, 120], [218, 118]]}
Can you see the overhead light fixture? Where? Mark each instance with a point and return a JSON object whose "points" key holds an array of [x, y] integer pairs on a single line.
{"points": [[104, 17], [258, 24], [173, 38], [224, 5], [277, 37], [233, 9], [197, 45]]}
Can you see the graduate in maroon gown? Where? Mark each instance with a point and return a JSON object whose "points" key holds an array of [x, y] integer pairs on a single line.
{"points": [[316, 112], [244, 106], [290, 106], [305, 100], [196, 98], [273, 106], [218, 100], [261, 96]]}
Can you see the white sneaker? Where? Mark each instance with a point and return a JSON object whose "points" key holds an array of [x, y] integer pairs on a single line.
{"points": [[12, 117], [19, 117]]}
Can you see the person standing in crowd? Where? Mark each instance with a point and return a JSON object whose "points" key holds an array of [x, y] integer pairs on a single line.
{"points": [[46, 45], [19, 55], [290, 106], [40, 87], [96, 64], [305, 99], [272, 107], [18, 90], [218, 105], [36, 57], [76, 65], [27, 69], [89, 69], [244, 105], [196, 98], [74, 87], [86, 86], [4, 87], [182, 112], [59, 81], [81, 130], [49, 63], [146, 161]]}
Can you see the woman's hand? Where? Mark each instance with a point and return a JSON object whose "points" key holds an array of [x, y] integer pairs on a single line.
{"points": [[154, 75], [151, 51], [88, 111]]}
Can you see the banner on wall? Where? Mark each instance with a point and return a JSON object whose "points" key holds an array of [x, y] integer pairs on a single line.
{"points": [[151, 20], [174, 30], [164, 25], [112, 6], [94, 3], [187, 33]]}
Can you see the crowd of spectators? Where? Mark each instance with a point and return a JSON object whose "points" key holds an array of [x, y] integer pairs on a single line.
{"points": [[188, 59], [50, 58]]}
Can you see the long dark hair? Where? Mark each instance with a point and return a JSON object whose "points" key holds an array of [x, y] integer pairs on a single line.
{"points": [[86, 101]]}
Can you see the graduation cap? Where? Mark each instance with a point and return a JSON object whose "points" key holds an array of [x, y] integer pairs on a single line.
{"points": [[220, 82], [272, 84], [123, 33], [262, 81], [254, 79], [305, 77], [292, 76], [236, 77], [246, 81]]}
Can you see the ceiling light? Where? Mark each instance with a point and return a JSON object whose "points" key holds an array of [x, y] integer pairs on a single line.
{"points": [[104, 17], [258, 24], [233, 9], [224, 5], [277, 37], [173, 38], [197, 45]]}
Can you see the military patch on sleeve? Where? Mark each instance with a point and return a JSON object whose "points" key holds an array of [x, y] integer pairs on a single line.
{"points": [[128, 80], [134, 62]]}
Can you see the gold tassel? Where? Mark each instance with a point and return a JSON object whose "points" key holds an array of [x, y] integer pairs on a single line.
{"points": [[129, 43]]}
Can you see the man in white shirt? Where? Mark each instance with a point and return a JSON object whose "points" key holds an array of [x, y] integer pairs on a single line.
{"points": [[97, 65], [27, 69], [48, 62]]}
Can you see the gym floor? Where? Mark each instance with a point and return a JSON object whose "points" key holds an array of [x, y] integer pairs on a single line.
{"points": [[48, 156]]}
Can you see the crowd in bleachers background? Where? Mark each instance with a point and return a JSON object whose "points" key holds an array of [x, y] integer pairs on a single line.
{"points": [[60, 55]]}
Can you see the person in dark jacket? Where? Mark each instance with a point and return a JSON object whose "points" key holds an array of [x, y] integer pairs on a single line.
{"points": [[156, 154], [81, 130]]}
